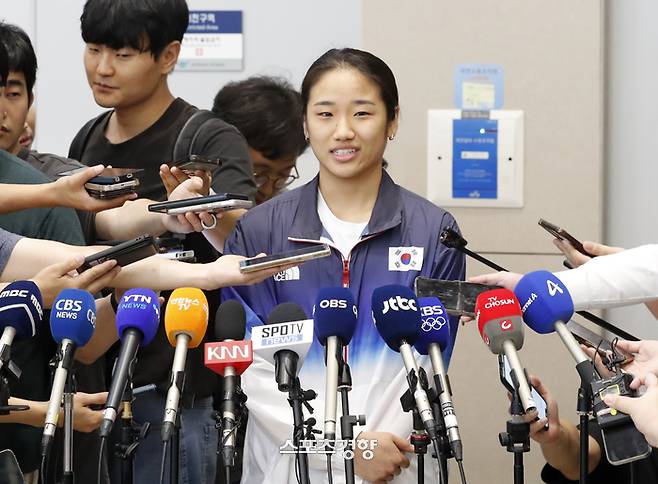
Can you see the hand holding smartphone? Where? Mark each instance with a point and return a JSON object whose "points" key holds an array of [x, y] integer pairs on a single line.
{"points": [[285, 258], [125, 253], [561, 234], [221, 202], [111, 183]]}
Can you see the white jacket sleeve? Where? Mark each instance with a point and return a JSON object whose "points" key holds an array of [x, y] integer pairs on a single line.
{"points": [[629, 277]]}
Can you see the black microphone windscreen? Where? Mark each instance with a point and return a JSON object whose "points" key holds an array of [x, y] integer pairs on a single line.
{"points": [[230, 321], [285, 312]]}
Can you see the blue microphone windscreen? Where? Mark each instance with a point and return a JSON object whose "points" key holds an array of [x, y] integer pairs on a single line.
{"points": [[544, 300], [396, 315], [139, 309], [73, 316], [434, 324], [21, 307], [335, 314]]}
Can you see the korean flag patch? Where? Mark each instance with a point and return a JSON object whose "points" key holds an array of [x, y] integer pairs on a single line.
{"points": [[405, 258]]}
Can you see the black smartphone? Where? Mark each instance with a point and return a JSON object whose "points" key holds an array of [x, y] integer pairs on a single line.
{"points": [[197, 162], [284, 258], [458, 297], [125, 253], [10, 471], [561, 234], [212, 203], [108, 176]]}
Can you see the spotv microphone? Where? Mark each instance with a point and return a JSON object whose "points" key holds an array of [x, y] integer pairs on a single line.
{"points": [[230, 357], [21, 311], [500, 323], [395, 311], [284, 341], [186, 321], [72, 323], [433, 338], [334, 315], [137, 320]]}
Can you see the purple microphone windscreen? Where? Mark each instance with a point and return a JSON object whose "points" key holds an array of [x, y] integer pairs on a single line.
{"points": [[230, 321], [434, 324], [334, 314], [285, 312], [21, 307], [544, 300], [73, 316], [139, 309], [396, 316]]}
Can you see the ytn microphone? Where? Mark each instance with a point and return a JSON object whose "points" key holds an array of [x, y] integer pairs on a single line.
{"points": [[72, 323], [137, 320], [433, 338], [186, 321], [500, 323]]}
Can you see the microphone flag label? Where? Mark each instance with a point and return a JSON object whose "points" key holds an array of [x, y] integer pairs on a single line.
{"points": [[238, 354], [404, 259]]}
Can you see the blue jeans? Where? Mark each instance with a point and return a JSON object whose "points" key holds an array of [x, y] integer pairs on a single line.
{"points": [[197, 459]]}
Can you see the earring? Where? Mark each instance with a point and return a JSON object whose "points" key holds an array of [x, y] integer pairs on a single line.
{"points": [[391, 138], [308, 140]]}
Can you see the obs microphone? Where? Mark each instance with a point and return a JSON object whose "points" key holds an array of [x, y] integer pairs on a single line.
{"points": [[137, 320], [433, 338], [186, 321], [72, 323], [229, 358], [500, 323]]}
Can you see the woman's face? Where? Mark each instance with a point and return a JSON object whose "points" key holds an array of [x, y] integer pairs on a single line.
{"points": [[347, 124]]}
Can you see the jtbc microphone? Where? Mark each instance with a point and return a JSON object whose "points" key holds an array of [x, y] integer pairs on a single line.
{"points": [[499, 319], [334, 315], [137, 320], [229, 358], [433, 338], [72, 323], [21, 311], [284, 341], [186, 321], [397, 319]]}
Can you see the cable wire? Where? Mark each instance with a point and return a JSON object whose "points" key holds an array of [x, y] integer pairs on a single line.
{"points": [[163, 462], [330, 474], [100, 460], [461, 471]]}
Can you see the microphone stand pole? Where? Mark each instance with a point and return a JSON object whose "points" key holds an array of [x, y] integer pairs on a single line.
{"points": [[347, 421], [297, 397], [174, 450], [233, 393], [69, 390]]}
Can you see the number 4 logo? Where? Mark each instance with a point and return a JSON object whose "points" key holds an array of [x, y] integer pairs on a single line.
{"points": [[553, 288]]}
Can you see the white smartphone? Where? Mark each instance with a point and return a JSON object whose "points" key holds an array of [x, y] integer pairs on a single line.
{"points": [[285, 258]]}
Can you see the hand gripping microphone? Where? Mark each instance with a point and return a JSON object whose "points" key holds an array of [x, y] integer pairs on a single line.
{"points": [[334, 315], [284, 341], [433, 338], [72, 323], [137, 320], [230, 357], [186, 321], [395, 311], [500, 323]]}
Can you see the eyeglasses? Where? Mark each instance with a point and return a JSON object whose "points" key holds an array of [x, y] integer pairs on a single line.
{"points": [[278, 180]]}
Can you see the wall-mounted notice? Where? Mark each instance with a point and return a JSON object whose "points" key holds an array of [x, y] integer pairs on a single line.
{"points": [[474, 158], [213, 41], [479, 87]]}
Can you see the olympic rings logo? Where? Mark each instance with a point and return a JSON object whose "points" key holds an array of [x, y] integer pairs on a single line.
{"points": [[432, 323]]}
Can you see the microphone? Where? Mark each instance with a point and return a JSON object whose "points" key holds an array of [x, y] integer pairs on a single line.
{"points": [[433, 338], [395, 311], [72, 323], [284, 341], [334, 317], [500, 323], [186, 321], [21, 311], [137, 320], [229, 358]]}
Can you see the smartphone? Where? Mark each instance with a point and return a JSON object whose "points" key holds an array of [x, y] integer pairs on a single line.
{"points": [[284, 258], [212, 203], [539, 400], [196, 162], [561, 234], [108, 176], [10, 471], [589, 338], [458, 297], [180, 255], [125, 253], [99, 190]]}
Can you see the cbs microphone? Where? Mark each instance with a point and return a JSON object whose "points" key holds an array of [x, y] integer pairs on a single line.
{"points": [[72, 323], [498, 315], [433, 338], [186, 321], [137, 320], [230, 357]]}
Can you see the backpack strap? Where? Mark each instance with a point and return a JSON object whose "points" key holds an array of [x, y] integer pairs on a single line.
{"points": [[184, 145], [79, 143]]}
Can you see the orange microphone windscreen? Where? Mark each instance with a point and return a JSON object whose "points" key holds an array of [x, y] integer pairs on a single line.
{"points": [[186, 313]]}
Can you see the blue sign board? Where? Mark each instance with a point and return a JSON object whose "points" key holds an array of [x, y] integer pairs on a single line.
{"points": [[475, 158]]}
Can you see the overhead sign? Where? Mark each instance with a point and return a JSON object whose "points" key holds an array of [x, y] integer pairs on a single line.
{"points": [[213, 41]]}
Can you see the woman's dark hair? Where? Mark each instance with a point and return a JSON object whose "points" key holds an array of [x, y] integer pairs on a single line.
{"points": [[144, 25], [20, 56], [366, 63], [268, 113]]}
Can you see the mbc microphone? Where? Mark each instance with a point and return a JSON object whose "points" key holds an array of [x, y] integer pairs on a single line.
{"points": [[21, 311], [186, 321], [395, 311], [284, 341], [334, 315], [137, 320], [72, 323], [434, 337], [230, 357], [500, 323]]}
